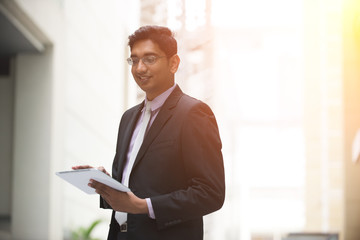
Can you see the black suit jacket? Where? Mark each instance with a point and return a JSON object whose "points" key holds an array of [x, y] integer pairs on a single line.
{"points": [[179, 167]]}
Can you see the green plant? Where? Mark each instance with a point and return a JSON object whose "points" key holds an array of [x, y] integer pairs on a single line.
{"points": [[83, 233]]}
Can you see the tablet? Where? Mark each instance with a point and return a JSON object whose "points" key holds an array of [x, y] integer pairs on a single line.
{"points": [[80, 179]]}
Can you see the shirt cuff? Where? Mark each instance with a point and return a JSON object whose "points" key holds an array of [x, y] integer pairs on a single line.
{"points": [[151, 210]]}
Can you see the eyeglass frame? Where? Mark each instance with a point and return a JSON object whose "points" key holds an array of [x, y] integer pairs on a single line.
{"points": [[131, 62]]}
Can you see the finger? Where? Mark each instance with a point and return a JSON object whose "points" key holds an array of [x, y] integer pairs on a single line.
{"points": [[101, 168], [81, 167], [100, 188]]}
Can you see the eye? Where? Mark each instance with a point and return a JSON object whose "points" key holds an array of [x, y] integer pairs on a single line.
{"points": [[149, 59], [135, 60], [132, 61]]}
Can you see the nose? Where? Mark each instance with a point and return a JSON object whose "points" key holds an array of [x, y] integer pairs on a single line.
{"points": [[140, 67]]}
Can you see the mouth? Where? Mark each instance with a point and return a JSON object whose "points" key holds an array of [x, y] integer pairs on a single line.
{"points": [[143, 79]]}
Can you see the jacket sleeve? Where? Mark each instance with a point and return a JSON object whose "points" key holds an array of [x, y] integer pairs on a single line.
{"points": [[203, 166]]}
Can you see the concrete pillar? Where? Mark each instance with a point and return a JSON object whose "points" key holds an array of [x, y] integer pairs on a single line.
{"points": [[33, 136]]}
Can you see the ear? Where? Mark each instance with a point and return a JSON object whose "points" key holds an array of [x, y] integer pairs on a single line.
{"points": [[174, 62]]}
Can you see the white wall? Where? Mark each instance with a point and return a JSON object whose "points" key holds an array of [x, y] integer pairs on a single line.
{"points": [[75, 94], [94, 101]]}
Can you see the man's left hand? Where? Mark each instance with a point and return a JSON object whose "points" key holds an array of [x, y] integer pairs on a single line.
{"points": [[120, 201]]}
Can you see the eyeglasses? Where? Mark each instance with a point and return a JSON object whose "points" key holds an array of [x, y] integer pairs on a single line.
{"points": [[147, 60]]}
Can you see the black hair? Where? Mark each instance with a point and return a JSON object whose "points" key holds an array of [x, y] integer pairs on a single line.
{"points": [[162, 36]]}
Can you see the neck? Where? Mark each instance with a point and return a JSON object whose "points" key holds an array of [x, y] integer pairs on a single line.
{"points": [[151, 97]]}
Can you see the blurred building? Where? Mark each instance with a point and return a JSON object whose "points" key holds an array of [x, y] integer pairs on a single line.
{"points": [[284, 93], [332, 116]]}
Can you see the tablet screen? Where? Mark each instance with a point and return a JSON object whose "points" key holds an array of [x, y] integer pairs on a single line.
{"points": [[80, 179]]}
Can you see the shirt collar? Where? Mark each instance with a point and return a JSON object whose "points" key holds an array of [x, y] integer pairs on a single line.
{"points": [[157, 102]]}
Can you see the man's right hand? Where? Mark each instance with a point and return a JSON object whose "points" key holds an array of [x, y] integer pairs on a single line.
{"points": [[101, 168]]}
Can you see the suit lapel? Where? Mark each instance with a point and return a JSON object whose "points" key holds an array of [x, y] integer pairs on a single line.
{"points": [[160, 121], [131, 122]]}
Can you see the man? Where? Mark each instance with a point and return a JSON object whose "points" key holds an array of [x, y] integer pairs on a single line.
{"points": [[175, 172]]}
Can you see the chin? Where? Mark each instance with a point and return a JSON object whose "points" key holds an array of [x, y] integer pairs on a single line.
{"points": [[144, 87]]}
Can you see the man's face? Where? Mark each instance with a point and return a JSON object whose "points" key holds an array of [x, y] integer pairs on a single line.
{"points": [[157, 77]]}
